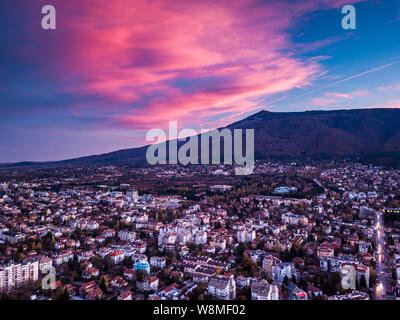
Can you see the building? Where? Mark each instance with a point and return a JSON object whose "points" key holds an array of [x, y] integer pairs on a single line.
{"points": [[90, 272], [220, 188], [294, 219], [355, 295], [282, 270], [262, 290], [360, 271], [127, 235], [149, 283], [246, 235], [200, 237], [132, 195], [63, 257], [17, 274], [141, 263], [117, 256], [325, 250], [397, 273], [269, 264], [184, 236], [363, 271], [242, 282], [223, 287], [284, 190], [333, 264], [12, 237], [118, 282], [126, 295], [295, 293], [158, 262]]}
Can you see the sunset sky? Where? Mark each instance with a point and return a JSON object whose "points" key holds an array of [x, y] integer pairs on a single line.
{"points": [[114, 69]]}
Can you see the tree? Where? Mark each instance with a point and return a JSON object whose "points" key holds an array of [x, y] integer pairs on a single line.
{"points": [[103, 285], [332, 284], [108, 263], [21, 257], [287, 257], [62, 294], [372, 277], [239, 252], [140, 275], [286, 281], [249, 265], [117, 226], [363, 282]]}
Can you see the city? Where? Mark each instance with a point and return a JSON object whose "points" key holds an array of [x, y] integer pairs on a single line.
{"points": [[199, 158], [286, 232]]}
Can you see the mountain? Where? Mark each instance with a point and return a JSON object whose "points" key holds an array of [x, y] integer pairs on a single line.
{"points": [[371, 135], [325, 133]]}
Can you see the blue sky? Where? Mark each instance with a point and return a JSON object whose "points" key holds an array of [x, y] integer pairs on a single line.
{"points": [[113, 70]]}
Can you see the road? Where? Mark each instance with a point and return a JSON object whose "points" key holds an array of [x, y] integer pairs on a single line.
{"points": [[383, 277], [321, 185]]}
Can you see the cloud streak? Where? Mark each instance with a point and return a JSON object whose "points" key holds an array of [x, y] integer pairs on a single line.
{"points": [[349, 78], [137, 64]]}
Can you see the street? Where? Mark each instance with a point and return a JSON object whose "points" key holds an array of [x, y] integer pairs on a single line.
{"points": [[382, 283]]}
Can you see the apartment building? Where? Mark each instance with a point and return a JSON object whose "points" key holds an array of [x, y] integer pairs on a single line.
{"points": [[223, 287], [17, 274], [262, 290]]}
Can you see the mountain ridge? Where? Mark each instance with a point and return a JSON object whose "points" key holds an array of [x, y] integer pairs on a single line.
{"points": [[360, 133]]}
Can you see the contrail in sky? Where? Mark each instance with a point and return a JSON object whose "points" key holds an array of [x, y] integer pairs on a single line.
{"points": [[349, 78]]}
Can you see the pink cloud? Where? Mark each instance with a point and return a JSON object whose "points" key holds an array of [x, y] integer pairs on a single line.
{"points": [[139, 57], [393, 87], [338, 95], [324, 102], [389, 104]]}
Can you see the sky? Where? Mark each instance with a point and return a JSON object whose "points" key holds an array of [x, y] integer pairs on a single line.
{"points": [[112, 70]]}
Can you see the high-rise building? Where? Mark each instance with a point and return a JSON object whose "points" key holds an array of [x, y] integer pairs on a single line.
{"points": [[17, 274]]}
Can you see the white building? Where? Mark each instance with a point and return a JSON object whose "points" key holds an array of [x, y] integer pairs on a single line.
{"points": [[246, 235], [158, 262], [150, 283], [223, 287], [12, 237], [262, 290], [117, 256], [282, 270], [269, 263], [168, 238], [294, 219], [200, 237], [184, 236], [127, 235], [17, 274], [132, 195], [63, 257]]}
